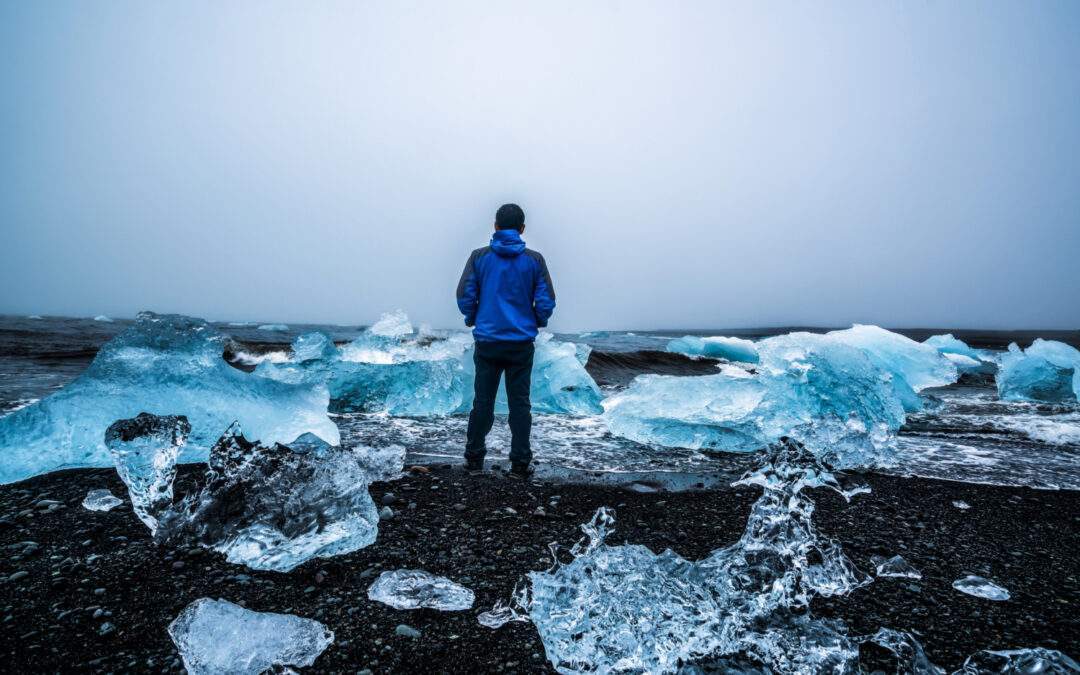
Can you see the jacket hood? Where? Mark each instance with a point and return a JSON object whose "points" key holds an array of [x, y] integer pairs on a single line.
{"points": [[507, 243]]}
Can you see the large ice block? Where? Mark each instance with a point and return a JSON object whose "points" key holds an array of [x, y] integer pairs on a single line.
{"points": [[716, 347], [165, 365], [913, 365], [273, 507], [217, 636], [1046, 371]]}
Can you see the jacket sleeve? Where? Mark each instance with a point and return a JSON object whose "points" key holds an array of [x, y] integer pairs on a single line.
{"points": [[468, 293], [543, 293]]}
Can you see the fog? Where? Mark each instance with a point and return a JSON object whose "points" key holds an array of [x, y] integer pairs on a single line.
{"points": [[693, 164]]}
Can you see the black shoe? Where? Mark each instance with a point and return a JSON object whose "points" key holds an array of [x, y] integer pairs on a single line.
{"points": [[520, 470], [474, 467]]}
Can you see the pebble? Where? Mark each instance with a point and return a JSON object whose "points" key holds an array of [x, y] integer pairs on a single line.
{"points": [[388, 499], [459, 507], [106, 628], [99, 591], [21, 574], [406, 631], [386, 513], [178, 565]]}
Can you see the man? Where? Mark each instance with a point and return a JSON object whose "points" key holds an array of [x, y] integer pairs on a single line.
{"points": [[505, 294]]}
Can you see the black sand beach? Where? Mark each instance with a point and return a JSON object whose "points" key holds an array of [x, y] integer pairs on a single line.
{"points": [[85, 569]]}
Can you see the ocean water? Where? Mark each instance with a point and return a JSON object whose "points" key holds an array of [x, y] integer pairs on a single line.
{"points": [[966, 434]]}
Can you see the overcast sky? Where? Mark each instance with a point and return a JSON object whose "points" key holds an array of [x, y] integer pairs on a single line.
{"points": [[693, 164]]}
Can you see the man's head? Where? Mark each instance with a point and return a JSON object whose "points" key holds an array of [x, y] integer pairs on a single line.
{"points": [[510, 217]]}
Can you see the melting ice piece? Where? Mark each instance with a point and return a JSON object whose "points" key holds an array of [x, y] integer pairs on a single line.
{"points": [[100, 500], [413, 589], [980, 588], [966, 359], [429, 376], [910, 657], [276, 327], [719, 347], [807, 386], [163, 365], [1045, 371], [961, 504], [625, 608], [145, 450], [1019, 662], [103, 318], [275, 507], [896, 566], [217, 636], [392, 324]]}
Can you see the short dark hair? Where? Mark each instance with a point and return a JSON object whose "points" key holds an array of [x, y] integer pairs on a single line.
{"points": [[510, 217]]}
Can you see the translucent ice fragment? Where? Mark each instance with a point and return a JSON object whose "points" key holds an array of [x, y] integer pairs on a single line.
{"points": [[100, 500], [898, 567], [1036, 661], [980, 588], [103, 318], [718, 347], [392, 324], [413, 589], [164, 365], [217, 636], [276, 327], [910, 657], [275, 507], [961, 504], [145, 450]]}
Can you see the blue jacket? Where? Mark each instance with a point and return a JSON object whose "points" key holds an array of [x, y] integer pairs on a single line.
{"points": [[505, 291]]}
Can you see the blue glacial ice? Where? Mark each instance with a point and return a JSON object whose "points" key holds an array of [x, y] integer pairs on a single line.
{"points": [[1046, 371], [1035, 661], [217, 636], [965, 358], [273, 507], [402, 374], [415, 589], [274, 327], [165, 365], [981, 588], [896, 566], [101, 500], [718, 347], [145, 450], [625, 608]]}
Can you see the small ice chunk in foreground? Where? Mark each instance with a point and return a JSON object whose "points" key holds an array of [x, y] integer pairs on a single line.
{"points": [[217, 636], [101, 500], [1034, 661], [413, 589], [392, 324], [980, 588], [717, 347], [145, 450], [275, 507], [961, 504], [896, 566]]}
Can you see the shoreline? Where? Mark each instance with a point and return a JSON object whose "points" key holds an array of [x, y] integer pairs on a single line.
{"points": [[1022, 538]]}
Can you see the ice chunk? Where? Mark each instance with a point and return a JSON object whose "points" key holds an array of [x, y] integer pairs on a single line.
{"points": [[145, 450], [164, 365], [915, 364], [1045, 371], [275, 327], [896, 566], [966, 359], [961, 504], [910, 657], [413, 589], [100, 500], [980, 588], [103, 318], [217, 636], [431, 375], [392, 324], [719, 347], [1036, 661], [807, 386], [625, 608], [275, 507]]}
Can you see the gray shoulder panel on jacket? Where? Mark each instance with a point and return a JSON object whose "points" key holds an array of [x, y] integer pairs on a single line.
{"points": [[535, 255], [467, 272]]}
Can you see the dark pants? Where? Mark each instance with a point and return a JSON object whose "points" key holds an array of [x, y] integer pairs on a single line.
{"points": [[492, 359]]}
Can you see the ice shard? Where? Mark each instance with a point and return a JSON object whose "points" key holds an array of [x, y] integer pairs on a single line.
{"points": [[413, 589], [717, 347], [980, 588], [403, 374], [1046, 371], [910, 657], [273, 507], [807, 386], [164, 365], [625, 608], [145, 450], [896, 566], [101, 500], [1036, 661], [392, 324], [217, 636]]}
